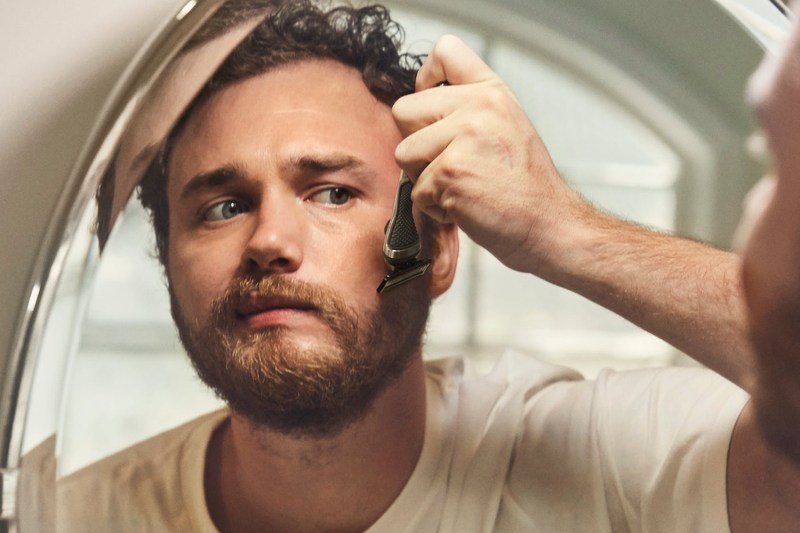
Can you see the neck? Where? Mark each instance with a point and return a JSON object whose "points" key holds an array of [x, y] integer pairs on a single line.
{"points": [[260, 480]]}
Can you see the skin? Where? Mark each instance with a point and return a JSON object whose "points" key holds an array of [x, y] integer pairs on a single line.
{"points": [[525, 214], [532, 221], [265, 127], [771, 256], [771, 273]]}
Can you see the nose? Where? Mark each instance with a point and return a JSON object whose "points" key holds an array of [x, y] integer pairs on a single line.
{"points": [[277, 240]]}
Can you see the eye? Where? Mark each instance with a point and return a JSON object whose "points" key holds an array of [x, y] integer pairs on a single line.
{"points": [[333, 196], [224, 210]]}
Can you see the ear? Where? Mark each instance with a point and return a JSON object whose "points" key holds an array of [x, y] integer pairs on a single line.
{"points": [[444, 253]]}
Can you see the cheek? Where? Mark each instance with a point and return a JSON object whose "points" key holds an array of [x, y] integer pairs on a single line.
{"points": [[755, 204], [362, 255], [353, 260], [198, 274]]}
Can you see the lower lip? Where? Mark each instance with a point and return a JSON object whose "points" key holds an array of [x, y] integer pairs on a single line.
{"points": [[274, 317]]}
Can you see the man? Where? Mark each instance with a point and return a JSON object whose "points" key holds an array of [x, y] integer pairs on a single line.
{"points": [[770, 232], [269, 202]]}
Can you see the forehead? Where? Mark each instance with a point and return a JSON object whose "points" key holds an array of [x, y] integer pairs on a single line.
{"points": [[332, 85], [308, 105]]}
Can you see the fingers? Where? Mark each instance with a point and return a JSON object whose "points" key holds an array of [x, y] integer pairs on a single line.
{"points": [[427, 156], [419, 110], [432, 119], [461, 140], [470, 80], [435, 186], [449, 169], [421, 148], [451, 60]]}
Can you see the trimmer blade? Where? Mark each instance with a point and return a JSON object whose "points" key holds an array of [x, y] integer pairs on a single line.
{"points": [[407, 272]]}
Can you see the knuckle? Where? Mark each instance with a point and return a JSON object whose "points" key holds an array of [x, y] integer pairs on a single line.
{"points": [[444, 45], [473, 126], [449, 202], [401, 152], [408, 152], [448, 169], [400, 108], [494, 99], [421, 195]]}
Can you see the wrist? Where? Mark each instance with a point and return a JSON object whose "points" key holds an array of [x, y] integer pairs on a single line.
{"points": [[572, 242]]}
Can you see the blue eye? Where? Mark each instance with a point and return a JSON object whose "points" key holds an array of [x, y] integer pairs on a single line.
{"points": [[333, 196], [224, 210]]}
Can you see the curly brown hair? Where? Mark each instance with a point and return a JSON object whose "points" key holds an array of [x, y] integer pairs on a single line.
{"points": [[365, 38]]}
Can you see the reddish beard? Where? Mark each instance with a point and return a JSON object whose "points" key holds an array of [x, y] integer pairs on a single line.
{"points": [[315, 390]]}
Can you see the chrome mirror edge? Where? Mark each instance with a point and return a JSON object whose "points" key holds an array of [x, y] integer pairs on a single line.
{"points": [[78, 191]]}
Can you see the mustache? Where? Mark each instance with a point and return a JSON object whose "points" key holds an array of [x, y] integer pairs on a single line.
{"points": [[323, 300]]}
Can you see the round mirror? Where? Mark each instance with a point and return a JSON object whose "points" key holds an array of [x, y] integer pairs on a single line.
{"points": [[639, 103]]}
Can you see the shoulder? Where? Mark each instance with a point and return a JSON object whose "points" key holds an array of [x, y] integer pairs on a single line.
{"points": [[625, 444], [157, 449], [475, 403], [619, 412], [665, 390], [513, 371], [158, 475], [474, 419]]}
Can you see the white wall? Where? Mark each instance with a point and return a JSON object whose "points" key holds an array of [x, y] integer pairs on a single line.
{"points": [[58, 61]]}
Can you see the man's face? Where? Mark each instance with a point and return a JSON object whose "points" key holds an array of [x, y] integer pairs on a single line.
{"points": [[769, 232], [278, 190]]}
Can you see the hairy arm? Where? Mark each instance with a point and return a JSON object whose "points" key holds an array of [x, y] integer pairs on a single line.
{"points": [[479, 162], [687, 293]]}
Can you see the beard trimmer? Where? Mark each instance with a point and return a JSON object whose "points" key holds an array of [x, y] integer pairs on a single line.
{"points": [[401, 244]]}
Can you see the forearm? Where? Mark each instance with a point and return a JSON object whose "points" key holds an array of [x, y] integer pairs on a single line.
{"points": [[684, 292], [478, 162]]}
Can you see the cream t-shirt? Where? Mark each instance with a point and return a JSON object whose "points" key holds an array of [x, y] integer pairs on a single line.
{"points": [[528, 447]]}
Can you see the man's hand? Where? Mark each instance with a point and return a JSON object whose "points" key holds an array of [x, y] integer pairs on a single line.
{"points": [[478, 161]]}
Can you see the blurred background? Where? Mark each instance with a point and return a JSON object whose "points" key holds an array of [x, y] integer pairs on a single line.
{"points": [[640, 102]]}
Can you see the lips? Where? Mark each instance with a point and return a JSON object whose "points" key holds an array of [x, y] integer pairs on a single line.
{"points": [[252, 306]]}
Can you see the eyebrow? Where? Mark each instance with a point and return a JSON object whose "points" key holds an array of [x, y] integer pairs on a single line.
{"points": [[210, 180], [326, 163], [305, 163]]}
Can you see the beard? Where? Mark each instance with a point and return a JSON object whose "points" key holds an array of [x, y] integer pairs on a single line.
{"points": [[304, 390]]}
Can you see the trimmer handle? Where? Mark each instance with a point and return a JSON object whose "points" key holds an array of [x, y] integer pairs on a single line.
{"points": [[401, 244], [401, 240]]}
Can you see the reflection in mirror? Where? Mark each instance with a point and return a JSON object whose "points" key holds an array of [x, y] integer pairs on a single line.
{"points": [[155, 91], [121, 307], [128, 380], [131, 381]]}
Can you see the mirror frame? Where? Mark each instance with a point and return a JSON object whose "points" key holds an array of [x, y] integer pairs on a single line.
{"points": [[17, 366]]}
